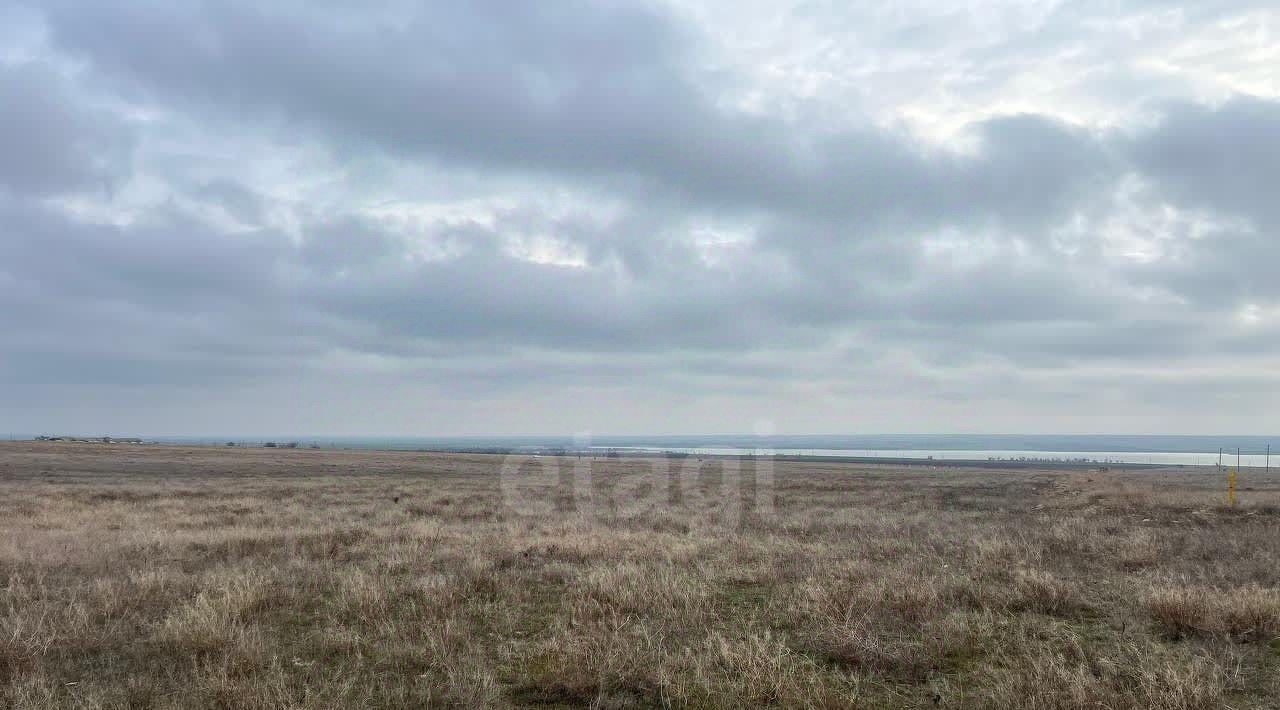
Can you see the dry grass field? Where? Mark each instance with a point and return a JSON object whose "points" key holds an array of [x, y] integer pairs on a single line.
{"points": [[168, 577]]}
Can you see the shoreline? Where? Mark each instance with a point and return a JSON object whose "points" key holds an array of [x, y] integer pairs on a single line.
{"points": [[115, 444]]}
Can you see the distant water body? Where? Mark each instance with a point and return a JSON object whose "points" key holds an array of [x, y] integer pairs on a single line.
{"points": [[1154, 449]]}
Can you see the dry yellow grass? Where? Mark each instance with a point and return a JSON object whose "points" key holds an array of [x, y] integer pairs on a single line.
{"points": [[167, 577]]}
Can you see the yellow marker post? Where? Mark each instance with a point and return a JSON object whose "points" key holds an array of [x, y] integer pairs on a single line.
{"points": [[1231, 486]]}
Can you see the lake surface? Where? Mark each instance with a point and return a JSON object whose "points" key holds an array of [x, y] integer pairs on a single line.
{"points": [[1190, 450], [1101, 457]]}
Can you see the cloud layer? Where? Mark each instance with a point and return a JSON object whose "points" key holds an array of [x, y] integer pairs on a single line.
{"points": [[553, 217]]}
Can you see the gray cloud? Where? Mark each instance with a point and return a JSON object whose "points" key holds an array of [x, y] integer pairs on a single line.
{"points": [[466, 202], [583, 90], [51, 142], [1225, 158]]}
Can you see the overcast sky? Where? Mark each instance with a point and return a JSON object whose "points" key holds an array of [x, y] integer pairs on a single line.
{"points": [[699, 216]]}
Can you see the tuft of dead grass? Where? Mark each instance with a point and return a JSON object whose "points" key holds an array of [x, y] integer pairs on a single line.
{"points": [[1243, 614], [1130, 676]]}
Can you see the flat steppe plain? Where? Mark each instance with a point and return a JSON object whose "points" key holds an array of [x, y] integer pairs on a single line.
{"points": [[188, 577]]}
